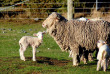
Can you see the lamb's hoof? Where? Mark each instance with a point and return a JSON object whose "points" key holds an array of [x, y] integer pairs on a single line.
{"points": [[23, 59], [104, 70], [34, 59]]}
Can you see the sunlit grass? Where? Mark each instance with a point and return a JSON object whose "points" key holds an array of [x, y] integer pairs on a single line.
{"points": [[50, 58]]}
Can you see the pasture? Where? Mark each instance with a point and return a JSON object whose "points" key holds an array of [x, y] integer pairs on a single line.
{"points": [[50, 58]]}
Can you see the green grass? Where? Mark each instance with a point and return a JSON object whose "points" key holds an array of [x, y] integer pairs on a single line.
{"points": [[49, 61]]}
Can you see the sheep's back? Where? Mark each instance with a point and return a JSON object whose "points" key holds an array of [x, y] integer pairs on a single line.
{"points": [[87, 33]]}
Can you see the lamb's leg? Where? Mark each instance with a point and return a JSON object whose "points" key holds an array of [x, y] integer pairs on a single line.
{"points": [[102, 65], [34, 53], [22, 50], [108, 60], [105, 65], [98, 65]]}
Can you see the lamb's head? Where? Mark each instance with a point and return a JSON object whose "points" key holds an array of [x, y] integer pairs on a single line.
{"points": [[51, 20], [100, 43], [39, 34]]}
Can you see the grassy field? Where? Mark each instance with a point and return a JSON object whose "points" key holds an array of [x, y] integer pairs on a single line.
{"points": [[50, 59]]}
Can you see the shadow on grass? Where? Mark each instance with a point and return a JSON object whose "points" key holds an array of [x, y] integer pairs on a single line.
{"points": [[53, 61], [89, 63], [50, 61]]}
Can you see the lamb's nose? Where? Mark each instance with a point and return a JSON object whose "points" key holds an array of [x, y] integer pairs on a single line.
{"points": [[42, 24]]}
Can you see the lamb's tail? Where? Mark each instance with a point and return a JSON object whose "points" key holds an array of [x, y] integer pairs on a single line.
{"points": [[21, 47], [104, 54]]}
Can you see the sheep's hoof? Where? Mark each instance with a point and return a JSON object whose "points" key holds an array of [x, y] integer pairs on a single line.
{"points": [[75, 65], [85, 63], [91, 59], [97, 70]]}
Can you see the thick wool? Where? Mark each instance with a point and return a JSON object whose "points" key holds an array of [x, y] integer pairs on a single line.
{"points": [[84, 33], [74, 33]]}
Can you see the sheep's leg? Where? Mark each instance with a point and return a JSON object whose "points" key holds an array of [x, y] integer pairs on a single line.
{"points": [[75, 56], [70, 53], [22, 50], [75, 60], [98, 64], [90, 57], [85, 54], [34, 53], [83, 59]]}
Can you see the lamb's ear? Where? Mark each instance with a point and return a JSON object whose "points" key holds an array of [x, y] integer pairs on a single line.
{"points": [[44, 32], [34, 34], [104, 42]]}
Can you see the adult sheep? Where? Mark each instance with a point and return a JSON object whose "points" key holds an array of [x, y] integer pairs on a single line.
{"points": [[76, 35]]}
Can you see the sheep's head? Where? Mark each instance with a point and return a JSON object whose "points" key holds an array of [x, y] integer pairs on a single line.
{"points": [[52, 18], [39, 34], [100, 43]]}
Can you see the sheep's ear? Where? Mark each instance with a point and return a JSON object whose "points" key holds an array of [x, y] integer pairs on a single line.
{"points": [[34, 34], [57, 18]]}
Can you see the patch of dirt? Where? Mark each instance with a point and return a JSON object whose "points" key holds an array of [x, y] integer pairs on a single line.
{"points": [[51, 61], [34, 73], [0, 60]]}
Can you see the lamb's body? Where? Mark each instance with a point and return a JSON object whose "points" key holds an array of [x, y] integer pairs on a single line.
{"points": [[34, 42], [75, 35], [30, 41], [103, 56], [102, 49]]}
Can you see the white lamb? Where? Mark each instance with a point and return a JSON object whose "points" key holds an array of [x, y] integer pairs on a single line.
{"points": [[103, 55], [34, 42], [83, 19]]}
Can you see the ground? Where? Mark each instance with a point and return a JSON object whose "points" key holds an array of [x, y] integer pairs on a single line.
{"points": [[50, 58]]}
